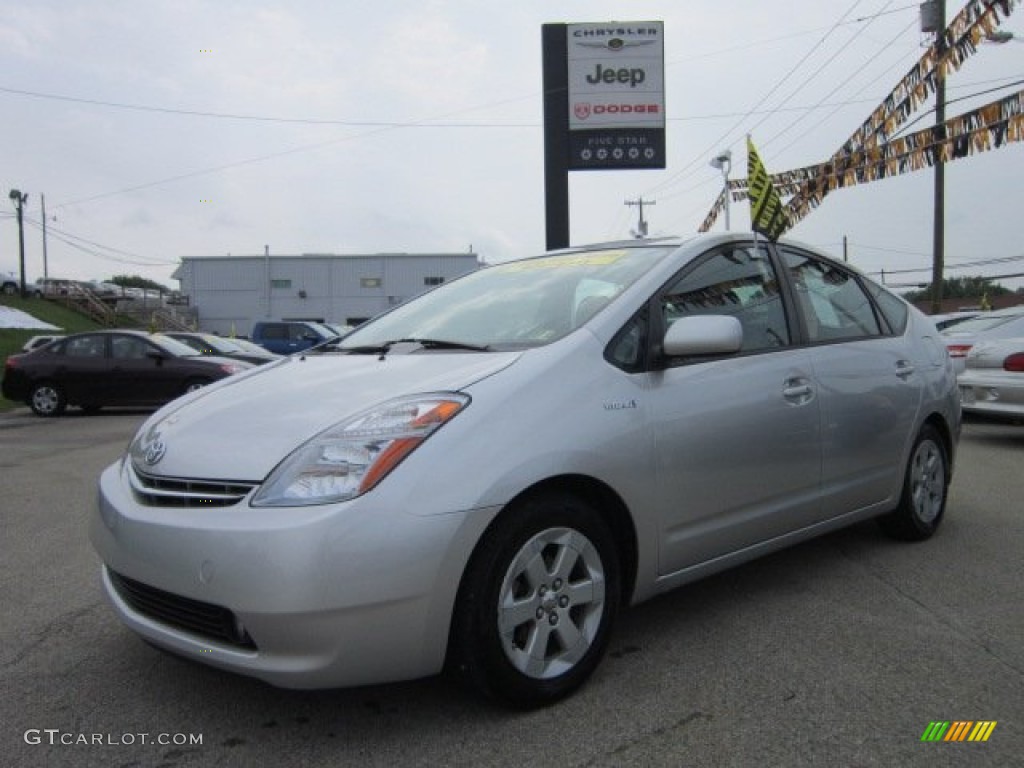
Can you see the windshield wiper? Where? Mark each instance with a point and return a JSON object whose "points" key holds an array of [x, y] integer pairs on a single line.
{"points": [[383, 349]]}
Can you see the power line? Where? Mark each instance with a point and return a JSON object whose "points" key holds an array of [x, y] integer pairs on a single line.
{"points": [[818, 71], [69, 239], [854, 74], [959, 265], [271, 119], [680, 174]]}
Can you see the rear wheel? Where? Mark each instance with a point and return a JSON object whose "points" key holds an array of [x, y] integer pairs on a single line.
{"points": [[538, 601], [925, 488], [47, 399]]}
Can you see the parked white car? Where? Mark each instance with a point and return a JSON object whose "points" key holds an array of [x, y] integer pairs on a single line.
{"points": [[992, 383], [38, 341], [487, 473], [999, 324]]}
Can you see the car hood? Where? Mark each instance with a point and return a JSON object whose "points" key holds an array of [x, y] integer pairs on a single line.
{"points": [[242, 428]]}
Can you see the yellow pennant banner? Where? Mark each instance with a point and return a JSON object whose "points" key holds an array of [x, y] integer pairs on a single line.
{"points": [[766, 214]]}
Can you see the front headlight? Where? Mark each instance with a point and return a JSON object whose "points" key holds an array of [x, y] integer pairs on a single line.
{"points": [[351, 457]]}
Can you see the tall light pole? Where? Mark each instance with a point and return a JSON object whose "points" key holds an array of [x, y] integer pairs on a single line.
{"points": [[723, 162], [19, 199]]}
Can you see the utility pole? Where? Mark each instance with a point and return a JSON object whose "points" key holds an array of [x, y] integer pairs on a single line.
{"points": [[19, 199], [641, 227], [933, 18], [46, 272]]}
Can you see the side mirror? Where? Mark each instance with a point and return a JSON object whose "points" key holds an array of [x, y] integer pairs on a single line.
{"points": [[703, 335]]}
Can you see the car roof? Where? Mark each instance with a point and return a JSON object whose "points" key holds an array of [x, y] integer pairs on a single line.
{"points": [[703, 240]]}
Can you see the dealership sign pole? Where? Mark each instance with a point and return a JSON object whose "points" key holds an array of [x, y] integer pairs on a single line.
{"points": [[604, 106]]}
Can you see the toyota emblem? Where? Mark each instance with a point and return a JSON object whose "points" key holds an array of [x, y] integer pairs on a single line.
{"points": [[155, 452]]}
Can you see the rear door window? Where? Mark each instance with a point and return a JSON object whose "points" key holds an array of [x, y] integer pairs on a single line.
{"points": [[834, 304]]}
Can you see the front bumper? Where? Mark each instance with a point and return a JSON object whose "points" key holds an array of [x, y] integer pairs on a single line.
{"points": [[329, 596]]}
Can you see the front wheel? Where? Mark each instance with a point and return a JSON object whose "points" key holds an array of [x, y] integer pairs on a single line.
{"points": [[47, 399], [925, 488], [538, 601]]}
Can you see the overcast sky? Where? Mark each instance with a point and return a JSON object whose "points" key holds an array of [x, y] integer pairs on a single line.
{"points": [[158, 129]]}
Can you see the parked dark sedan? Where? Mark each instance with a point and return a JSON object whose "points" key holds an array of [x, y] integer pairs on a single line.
{"points": [[208, 344], [100, 368]]}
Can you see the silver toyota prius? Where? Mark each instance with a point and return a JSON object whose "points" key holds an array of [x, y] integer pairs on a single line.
{"points": [[481, 478]]}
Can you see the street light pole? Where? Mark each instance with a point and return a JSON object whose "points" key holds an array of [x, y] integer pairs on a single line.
{"points": [[724, 163], [19, 200]]}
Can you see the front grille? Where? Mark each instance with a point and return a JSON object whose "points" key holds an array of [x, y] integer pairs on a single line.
{"points": [[155, 491], [204, 619]]}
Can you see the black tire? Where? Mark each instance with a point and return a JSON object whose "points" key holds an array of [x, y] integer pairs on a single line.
{"points": [[555, 558], [925, 489], [193, 384], [47, 399]]}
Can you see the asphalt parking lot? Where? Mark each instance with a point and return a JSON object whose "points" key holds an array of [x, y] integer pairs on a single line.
{"points": [[837, 652]]}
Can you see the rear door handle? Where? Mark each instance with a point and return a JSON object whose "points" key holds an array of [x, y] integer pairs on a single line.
{"points": [[904, 369]]}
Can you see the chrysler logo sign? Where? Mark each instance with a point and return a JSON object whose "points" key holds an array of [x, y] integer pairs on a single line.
{"points": [[155, 452]]}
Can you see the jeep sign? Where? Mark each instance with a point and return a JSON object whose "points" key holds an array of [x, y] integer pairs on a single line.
{"points": [[616, 75]]}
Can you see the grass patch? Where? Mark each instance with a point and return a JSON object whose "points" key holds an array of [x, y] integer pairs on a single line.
{"points": [[68, 320]]}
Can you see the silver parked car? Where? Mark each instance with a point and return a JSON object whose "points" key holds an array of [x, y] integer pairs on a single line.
{"points": [[999, 324], [485, 475], [992, 383]]}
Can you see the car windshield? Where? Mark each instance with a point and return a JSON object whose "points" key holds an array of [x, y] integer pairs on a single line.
{"points": [[175, 347], [248, 346], [325, 331], [225, 346], [514, 305]]}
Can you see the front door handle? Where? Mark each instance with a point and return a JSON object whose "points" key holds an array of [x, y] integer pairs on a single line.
{"points": [[797, 390]]}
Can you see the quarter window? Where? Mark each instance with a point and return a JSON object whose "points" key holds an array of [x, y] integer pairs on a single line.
{"points": [[892, 308], [738, 282]]}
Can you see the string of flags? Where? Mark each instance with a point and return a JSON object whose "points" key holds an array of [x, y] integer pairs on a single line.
{"points": [[975, 21], [980, 130], [868, 155]]}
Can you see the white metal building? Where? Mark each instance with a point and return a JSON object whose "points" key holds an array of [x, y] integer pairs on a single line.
{"points": [[233, 292]]}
